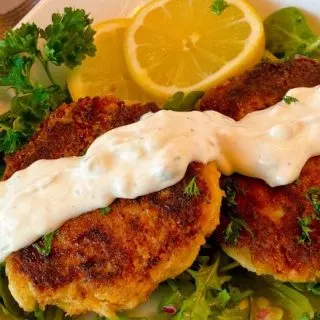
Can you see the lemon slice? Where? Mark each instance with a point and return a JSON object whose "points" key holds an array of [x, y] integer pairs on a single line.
{"points": [[106, 73], [181, 45]]}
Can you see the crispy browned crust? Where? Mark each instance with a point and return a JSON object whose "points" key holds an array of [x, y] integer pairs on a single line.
{"points": [[263, 86], [105, 263], [72, 128], [271, 213]]}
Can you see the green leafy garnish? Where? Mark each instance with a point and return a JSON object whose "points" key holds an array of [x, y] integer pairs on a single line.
{"points": [[310, 287], [192, 189], [68, 40], [304, 224], [218, 6], [105, 211], [234, 229], [313, 197], [288, 34], [230, 194], [198, 305], [45, 249], [289, 99], [181, 102], [8, 305]]}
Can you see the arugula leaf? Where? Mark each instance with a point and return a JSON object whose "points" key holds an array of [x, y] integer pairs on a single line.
{"points": [[289, 99], [304, 224], [181, 102], [69, 38], [198, 305], [313, 196], [192, 189], [311, 287], [218, 6], [288, 34], [45, 249]]}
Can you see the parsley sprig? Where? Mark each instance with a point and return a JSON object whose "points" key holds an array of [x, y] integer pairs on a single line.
{"points": [[218, 6], [234, 229], [305, 228], [313, 196], [192, 189], [105, 211], [67, 41], [45, 248]]}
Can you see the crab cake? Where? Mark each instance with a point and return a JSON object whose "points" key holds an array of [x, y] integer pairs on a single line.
{"points": [[268, 230], [110, 260]]}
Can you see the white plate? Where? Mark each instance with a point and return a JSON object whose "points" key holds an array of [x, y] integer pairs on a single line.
{"points": [[106, 9]]}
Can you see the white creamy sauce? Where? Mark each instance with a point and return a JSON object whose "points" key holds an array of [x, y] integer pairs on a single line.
{"points": [[153, 154]]}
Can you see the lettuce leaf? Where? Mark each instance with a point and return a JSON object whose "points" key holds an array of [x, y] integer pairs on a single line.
{"points": [[288, 33]]}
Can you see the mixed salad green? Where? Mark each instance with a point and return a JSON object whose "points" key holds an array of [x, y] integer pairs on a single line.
{"points": [[215, 287]]}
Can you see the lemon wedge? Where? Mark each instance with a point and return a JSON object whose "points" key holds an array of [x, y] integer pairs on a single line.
{"points": [[181, 45], [106, 73]]}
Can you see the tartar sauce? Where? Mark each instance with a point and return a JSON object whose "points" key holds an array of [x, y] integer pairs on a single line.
{"points": [[153, 154]]}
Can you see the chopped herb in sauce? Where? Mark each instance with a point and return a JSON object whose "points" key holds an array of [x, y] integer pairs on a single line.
{"points": [[313, 197], [192, 189], [218, 6], [304, 224], [45, 249], [105, 211], [289, 99], [234, 229]]}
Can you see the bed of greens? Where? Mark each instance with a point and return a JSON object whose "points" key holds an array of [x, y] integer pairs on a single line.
{"points": [[215, 287]]}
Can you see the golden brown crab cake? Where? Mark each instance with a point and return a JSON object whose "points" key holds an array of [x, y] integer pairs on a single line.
{"points": [[279, 220], [104, 263]]}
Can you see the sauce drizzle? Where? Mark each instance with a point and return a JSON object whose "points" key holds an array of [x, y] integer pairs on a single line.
{"points": [[153, 154]]}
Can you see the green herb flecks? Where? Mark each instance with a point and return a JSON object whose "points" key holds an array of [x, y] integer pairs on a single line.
{"points": [[230, 195], [45, 248], [313, 196], [218, 6], [192, 189], [289, 99], [304, 224], [234, 229], [105, 211], [181, 102], [68, 40], [288, 34]]}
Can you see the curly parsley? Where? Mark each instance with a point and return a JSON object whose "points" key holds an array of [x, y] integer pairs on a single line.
{"points": [[68, 40]]}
